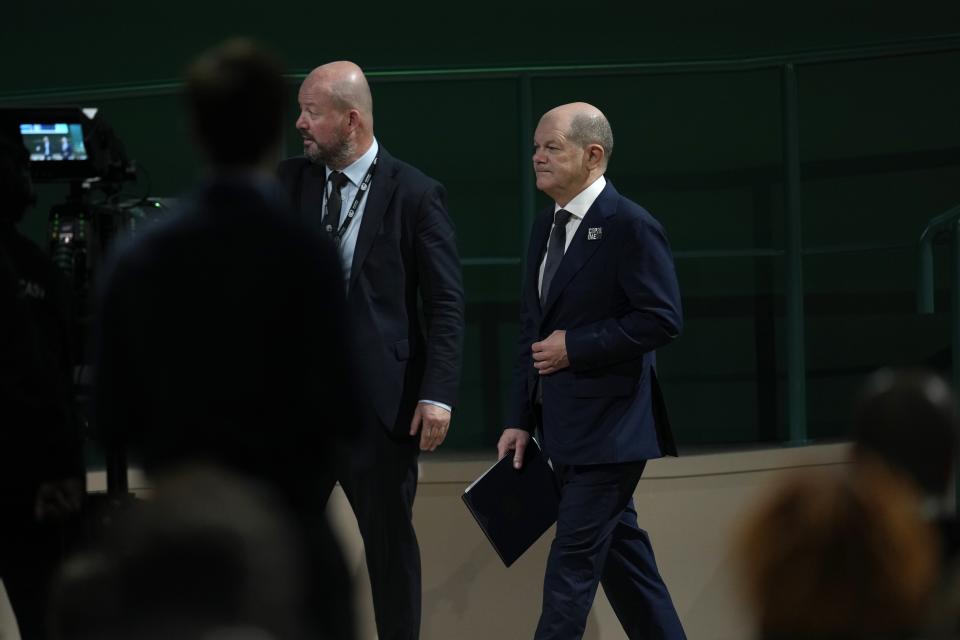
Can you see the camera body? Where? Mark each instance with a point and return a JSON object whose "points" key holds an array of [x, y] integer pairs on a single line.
{"points": [[75, 146]]}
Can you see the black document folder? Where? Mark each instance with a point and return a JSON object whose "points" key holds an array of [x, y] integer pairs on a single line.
{"points": [[515, 506]]}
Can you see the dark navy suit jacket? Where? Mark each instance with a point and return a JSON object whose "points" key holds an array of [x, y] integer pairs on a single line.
{"points": [[406, 248], [616, 295], [218, 339]]}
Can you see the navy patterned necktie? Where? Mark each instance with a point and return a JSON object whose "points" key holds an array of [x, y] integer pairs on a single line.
{"points": [[334, 202], [555, 248]]}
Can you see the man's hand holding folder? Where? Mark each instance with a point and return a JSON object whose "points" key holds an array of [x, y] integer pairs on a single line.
{"points": [[515, 440], [516, 500]]}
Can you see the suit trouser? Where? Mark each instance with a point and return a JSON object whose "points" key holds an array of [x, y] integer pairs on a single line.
{"points": [[598, 541], [378, 474]]}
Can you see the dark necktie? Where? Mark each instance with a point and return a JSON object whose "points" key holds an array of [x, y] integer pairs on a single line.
{"points": [[555, 247], [334, 203]]}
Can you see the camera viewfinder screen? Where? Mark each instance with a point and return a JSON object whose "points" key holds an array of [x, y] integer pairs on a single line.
{"points": [[53, 141]]}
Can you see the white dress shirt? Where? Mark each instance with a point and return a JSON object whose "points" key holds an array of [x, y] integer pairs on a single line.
{"points": [[355, 174], [578, 208]]}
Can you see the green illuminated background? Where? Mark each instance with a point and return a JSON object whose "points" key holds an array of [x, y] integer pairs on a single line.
{"points": [[695, 94]]}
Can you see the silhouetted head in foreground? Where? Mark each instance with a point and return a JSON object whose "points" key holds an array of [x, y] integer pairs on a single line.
{"points": [[235, 101], [909, 420], [831, 554], [209, 553]]}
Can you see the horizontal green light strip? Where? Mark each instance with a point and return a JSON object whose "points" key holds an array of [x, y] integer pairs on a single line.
{"points": [[919, 46]]}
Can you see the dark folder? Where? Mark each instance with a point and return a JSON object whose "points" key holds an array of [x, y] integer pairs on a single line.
{"points": [[515, 506]]}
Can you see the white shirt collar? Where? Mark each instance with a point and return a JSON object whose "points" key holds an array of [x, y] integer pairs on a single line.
{"points": [[582, 202], [358, 169]]}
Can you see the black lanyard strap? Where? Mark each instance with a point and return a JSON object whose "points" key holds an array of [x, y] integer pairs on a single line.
{"points": [[364, 187]]}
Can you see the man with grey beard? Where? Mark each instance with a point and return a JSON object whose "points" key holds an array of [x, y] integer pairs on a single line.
{"points": [[396, 244]]}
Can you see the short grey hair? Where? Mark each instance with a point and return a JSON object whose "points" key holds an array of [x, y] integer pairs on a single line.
{"points": [[592, 128]]}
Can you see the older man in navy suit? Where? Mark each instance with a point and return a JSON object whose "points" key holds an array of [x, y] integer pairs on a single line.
{"points": [[600, 296]]}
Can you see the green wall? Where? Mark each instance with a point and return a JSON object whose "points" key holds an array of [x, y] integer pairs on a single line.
{"points": [[879, 145]]}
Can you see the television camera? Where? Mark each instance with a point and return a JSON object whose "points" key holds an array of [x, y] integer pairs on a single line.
{"points": [[75, 146]]}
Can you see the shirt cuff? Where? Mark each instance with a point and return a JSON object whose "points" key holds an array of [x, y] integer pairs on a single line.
{"points": [[439, 404]]}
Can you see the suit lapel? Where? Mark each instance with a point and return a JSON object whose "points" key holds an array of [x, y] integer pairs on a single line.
{"points": [[382, 186], [582, 247], [540, 234]]}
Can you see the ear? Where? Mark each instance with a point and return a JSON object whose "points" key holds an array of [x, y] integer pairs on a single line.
{"points": [[594, 156], [353, 119]]}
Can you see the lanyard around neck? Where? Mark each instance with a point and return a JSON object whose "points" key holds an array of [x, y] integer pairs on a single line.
{"points": [[364, 187]]}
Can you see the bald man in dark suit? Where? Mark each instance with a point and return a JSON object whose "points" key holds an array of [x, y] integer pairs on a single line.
{"points": [[600, 296], [397, 248]]}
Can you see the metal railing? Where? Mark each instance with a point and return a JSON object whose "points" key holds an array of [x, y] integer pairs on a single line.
{"points": [[947, 222]]}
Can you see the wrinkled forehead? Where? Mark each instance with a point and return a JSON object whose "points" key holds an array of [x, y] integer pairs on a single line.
{"points": [[551, 127]]}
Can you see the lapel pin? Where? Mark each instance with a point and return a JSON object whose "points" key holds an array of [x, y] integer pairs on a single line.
{"points": [[594, 233]]}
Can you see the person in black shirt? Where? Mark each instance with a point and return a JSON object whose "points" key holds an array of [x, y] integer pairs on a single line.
{"points": [[220, 328], [41, 462]]}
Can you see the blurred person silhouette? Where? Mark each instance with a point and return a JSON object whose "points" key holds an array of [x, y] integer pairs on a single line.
{"points": [[909, 419], [838, 555], [220, 329], [208, 554], [41, 459]]}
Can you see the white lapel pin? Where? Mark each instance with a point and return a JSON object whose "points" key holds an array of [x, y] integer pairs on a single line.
{"points": [[594, 233]]}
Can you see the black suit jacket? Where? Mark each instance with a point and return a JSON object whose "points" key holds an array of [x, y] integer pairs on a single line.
{"points": [[40, 439], [219, 339], [615, 294], [406, 248]]}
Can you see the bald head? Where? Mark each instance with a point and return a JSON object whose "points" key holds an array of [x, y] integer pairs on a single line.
{"points": [[336, 114], [571, 146], [344, 82], [585, 125]]}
